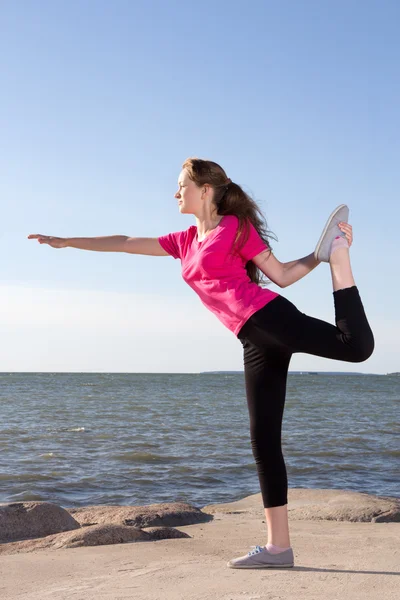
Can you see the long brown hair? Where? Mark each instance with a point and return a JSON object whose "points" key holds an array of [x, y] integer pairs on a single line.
{"points": [[230, 199]]}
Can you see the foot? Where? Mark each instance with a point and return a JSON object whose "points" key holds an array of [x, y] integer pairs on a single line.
{"points": [[261, 558], [340, 241], [331, 230]]}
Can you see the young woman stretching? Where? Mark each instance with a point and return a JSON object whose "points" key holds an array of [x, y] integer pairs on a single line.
{"points": [[222, 256]]}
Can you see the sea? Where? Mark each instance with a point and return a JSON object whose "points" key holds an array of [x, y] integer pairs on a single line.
{"points": [[79, 439]]}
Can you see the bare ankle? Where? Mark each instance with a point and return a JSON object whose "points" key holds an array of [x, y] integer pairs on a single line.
{"points": [[340, 256], [281, 543]]}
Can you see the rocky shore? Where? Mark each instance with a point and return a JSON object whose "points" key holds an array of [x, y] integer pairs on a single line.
{"points": [[170, 550]]}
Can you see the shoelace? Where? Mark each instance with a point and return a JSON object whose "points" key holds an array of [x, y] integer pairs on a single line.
{"points": [[256, 550]]}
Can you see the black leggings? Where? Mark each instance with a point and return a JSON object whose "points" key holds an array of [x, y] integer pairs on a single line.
{"points": [[269, 338]]}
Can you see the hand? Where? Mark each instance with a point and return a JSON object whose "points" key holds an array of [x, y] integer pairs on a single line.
{"points": [[348, 231], [54, 242]]}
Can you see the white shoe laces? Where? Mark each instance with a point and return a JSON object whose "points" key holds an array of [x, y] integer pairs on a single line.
{"points": [[256, 550]]}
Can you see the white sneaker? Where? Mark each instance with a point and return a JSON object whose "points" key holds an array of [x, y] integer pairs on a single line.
{"points": [[331, 230], [260, 558]]}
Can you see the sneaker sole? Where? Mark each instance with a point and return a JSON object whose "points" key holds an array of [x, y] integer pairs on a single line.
{"points": [[321, 239], [260, 566]]}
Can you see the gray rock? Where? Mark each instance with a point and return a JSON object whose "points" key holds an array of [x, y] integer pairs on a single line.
{"points": [[321, 504], [56, 527], [92, 525], [168, 514], [24, 520], [99, 535], [341, 505], [94, 535]]}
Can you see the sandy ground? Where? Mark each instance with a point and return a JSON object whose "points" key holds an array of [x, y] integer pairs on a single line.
{"points": [[333, 560]]}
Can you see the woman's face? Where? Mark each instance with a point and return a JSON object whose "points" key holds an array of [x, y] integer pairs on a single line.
{"points": [[190, 197], [188, 193]]}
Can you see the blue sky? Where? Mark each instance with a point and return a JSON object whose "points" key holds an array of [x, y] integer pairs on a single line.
{"points": [[103, 101]]}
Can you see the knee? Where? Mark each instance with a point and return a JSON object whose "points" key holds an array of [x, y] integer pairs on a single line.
{"points": [[365, 349], [267, 449]]}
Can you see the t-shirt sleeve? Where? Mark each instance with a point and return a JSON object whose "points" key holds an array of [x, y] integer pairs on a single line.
{"points": [[254, 245], [173, 243]]}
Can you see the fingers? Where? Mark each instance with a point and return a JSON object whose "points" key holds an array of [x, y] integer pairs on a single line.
{"points": [[42, 239], [347, 230]]}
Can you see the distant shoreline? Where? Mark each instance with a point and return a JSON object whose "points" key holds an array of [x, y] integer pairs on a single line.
{"points": [[305, 372]]}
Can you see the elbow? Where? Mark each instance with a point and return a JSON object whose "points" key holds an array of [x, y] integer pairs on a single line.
{"points": [[282, 281], [279, 282]]}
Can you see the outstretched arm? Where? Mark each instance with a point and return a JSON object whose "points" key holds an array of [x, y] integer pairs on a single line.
{"points": [[109, 243]]}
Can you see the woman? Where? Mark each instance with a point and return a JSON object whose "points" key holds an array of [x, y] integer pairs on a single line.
{"points": [[222, 256]]}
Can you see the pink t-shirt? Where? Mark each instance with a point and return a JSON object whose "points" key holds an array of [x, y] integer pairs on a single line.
{"points": [[218, 277]]}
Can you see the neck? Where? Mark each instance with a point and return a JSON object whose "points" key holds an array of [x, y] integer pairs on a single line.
{"points": [[205, 225]]}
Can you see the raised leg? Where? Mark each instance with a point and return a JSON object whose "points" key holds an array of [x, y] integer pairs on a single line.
{"points": [[342, 276]]}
